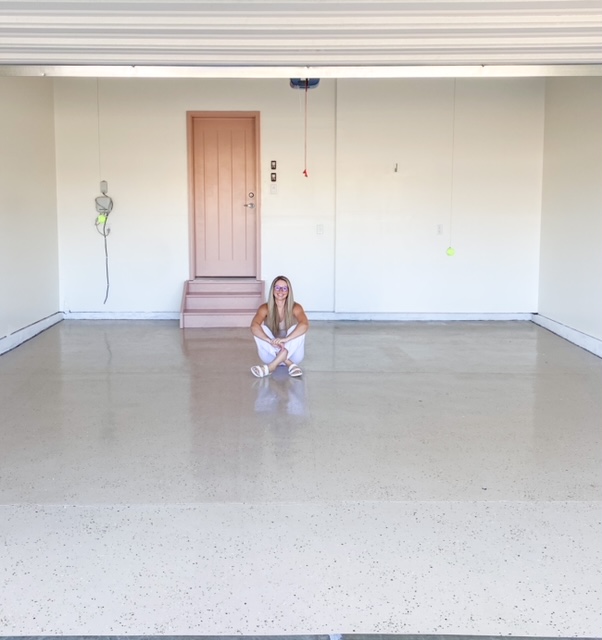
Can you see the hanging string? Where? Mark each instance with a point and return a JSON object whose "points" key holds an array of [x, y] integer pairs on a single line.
{"points": [[450, 250], [98, 129], [305, 159]]}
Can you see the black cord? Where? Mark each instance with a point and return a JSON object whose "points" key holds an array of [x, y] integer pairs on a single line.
{"points": [[105, 233], [106, 259]]}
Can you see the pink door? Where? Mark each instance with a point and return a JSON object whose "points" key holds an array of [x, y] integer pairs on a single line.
{"points": [[224, 194]]}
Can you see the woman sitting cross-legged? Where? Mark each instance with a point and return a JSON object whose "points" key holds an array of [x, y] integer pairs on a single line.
{"points": [[279, 328]]}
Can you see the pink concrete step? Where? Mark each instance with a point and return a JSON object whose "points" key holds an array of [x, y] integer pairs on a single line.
{"points": [[223, 300], [221, 318], [225, 285], [220, 302]]}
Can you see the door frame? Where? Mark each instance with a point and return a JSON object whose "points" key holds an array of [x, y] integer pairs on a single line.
{"points": [[190, 116]]}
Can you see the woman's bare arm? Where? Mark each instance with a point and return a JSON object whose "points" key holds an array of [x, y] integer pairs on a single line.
{"points": [[302, 323], [258, 320]]}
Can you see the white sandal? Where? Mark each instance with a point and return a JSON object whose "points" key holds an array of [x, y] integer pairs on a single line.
{"points": [[260, 370], [294, 371]]}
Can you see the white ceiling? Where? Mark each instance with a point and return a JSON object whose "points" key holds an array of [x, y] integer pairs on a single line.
{"points": [[221, 35]]}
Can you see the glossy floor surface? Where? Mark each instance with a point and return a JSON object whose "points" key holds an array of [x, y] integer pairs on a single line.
{"points": [[420, 478]]}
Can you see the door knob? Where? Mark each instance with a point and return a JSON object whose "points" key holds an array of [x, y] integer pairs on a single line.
{"points": [[251, 205]]}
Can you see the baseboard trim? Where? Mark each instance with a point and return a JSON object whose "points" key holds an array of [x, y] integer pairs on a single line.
{"points": [[416, 317], [13, 340], [589, 343], [312, 315], [122, 315]]}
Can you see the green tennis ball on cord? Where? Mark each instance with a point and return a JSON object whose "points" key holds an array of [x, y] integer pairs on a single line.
{"points": [[101, 219], [450, 251]]}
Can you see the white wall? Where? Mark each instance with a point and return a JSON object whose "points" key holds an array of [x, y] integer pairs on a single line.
{"points": [[379, 226], [28, 222], [143, 156], [571, 230], [380, 251], [390, 257]]}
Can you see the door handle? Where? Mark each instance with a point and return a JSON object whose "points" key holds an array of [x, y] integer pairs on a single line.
{"points": [[251, 205]]}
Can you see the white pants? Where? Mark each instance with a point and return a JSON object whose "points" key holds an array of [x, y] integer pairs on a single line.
{"points": [[268, 353]]}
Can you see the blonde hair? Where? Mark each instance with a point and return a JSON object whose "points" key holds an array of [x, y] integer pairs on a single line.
{"points": [[273, 320]]}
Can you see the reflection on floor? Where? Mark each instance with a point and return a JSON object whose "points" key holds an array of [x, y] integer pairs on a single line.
{"points": [[281, 393], [420, 478]]}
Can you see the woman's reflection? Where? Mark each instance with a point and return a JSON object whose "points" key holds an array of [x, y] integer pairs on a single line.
{"points": [[281, 394]]}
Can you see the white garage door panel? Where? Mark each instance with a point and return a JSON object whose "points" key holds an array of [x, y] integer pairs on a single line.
{"points": [[312, 32]]}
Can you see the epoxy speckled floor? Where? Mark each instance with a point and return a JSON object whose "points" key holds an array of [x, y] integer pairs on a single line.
{"points": [[421, 478]]}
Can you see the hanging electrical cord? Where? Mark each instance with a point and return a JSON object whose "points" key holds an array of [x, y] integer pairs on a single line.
{"points": [[106, 270], [104, 206], [104, 232]]}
